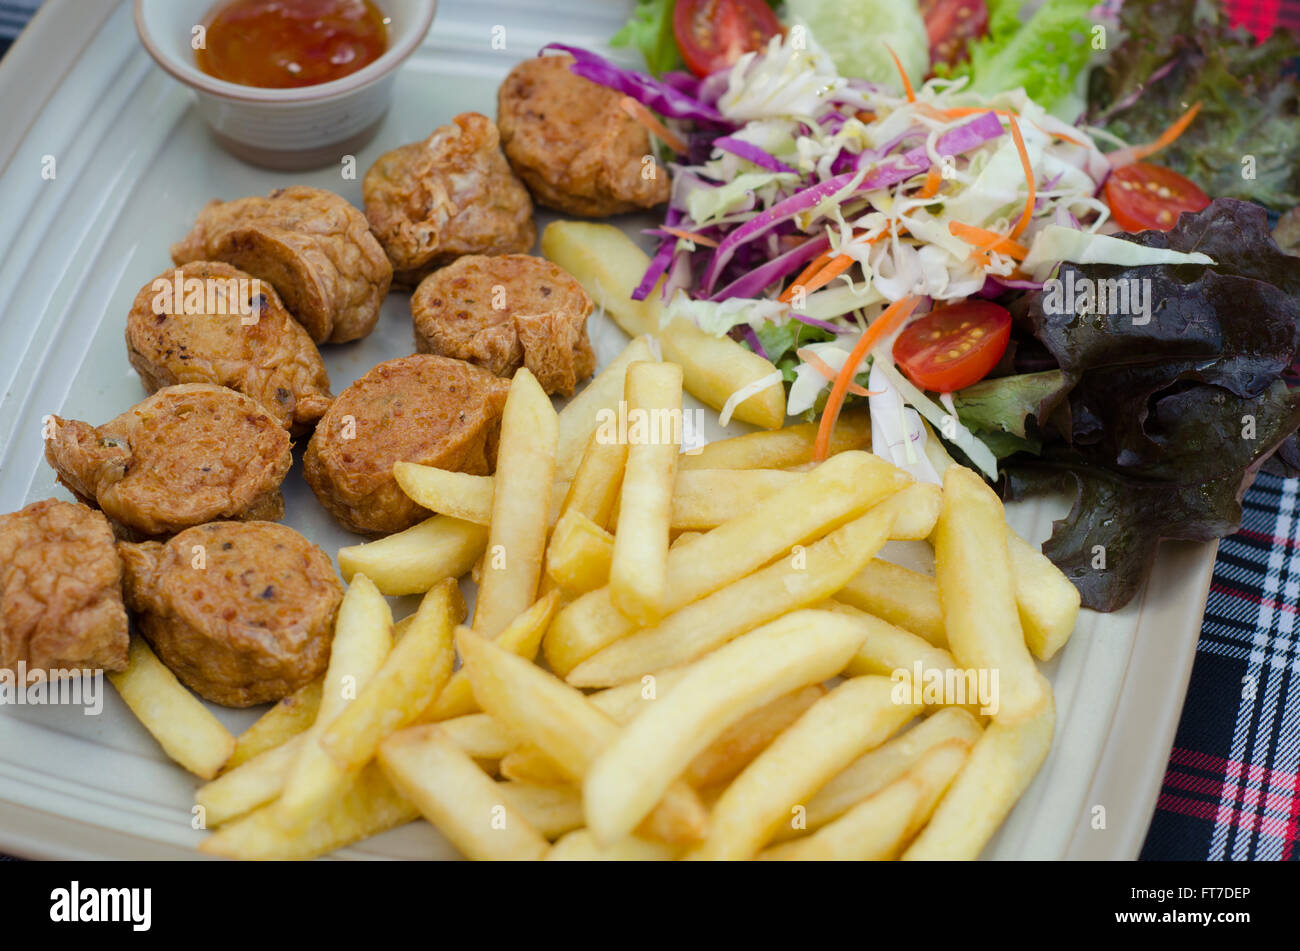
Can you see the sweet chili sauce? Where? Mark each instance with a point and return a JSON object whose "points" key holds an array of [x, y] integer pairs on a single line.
{"points": [[287, 43]]}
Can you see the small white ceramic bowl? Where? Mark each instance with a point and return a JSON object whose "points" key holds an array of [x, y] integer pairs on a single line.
{"points": [[306, 127]]}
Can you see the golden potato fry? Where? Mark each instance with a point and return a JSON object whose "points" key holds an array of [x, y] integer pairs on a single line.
{"points": [[250, 784], [581, 415], [457, 495], [461, 801], [977, 594], [632, 773], [878, 828], [579, 555], [581, 846], [178, 720], [291, 716], [838, 491], [781, 448], [804, 578], [856, 716], [543, 710], [1001, 766], [736, 748], [528, 764], [1048, 603], [595, 487], [638, 570], [520, 513], [905, 598], [551, 810], [363, 636], [609, 265], [705, 498], [918, 510], [482, 737], [412, 676], [874, 770], [366, 805], [413, 561]]}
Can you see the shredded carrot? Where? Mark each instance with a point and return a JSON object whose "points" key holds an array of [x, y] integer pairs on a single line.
{"points": [[1029, 177], [690, 236], [862, 115], [933, 179], [806, 275], [1139, 152], [824, 368], [656, 128], [1062, 136], [907, 83], [984, 240], [961, 112], [893, 317]]}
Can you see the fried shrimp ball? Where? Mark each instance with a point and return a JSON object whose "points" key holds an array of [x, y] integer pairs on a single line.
{"points": [[242, 612], [186, 455], [454, 193], [208, 322], [310, 245], [573, 145], [506, 312], [60, 590], [422, 408]]}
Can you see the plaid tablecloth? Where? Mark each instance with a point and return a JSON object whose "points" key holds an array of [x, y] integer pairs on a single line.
{"points": [[1231, 789]]}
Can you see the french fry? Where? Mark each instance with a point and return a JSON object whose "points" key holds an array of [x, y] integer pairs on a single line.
{"points": [[413, 561], [366, 805], [856, 716], [837, 491], [977, 594], [595, 486], [638, 569], [579, 555], [878, 828], [363, 636], [802, 579], [412, 676], [633, 772], [781, 448], [705, 498], [736, 748], [480, 736], [461, 801], [180, 723], [528, 764], [581, 846], [905, 598], [1001, 766], [249, 785], [289, 717], [520, 514], [522, 636], [551, 810], [874, 770], [581, 416], [1048, 603], [453, 494], [543, 710], [918, 511], [609, 265]]}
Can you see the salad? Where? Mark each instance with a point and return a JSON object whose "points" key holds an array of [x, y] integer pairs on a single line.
{"points": [[948, 211]]}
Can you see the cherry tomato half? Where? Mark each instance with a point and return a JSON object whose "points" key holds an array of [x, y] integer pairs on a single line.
{"points": [[954, 346], [713, 34], [1145, 197], [952, 25]]}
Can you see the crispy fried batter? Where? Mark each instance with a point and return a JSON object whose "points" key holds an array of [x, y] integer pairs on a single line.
{"points": [[186, 455], [252, 346], [242, 612], [421, 408], [505, 312], [60, 595], [430, 202], [311, 245], [572, 144]]}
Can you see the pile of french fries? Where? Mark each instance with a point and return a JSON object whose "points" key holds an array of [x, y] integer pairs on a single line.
{"points": [[671, 656]]}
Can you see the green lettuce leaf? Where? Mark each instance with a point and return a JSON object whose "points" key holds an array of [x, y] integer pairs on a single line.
{"points": [[650, 30]]}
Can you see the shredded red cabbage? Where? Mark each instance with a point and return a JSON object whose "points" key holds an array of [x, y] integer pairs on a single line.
{"points": [[663, 98], [751, 153]]}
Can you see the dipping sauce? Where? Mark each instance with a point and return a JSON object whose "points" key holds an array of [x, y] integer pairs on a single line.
{"points": [[281, 44]]}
